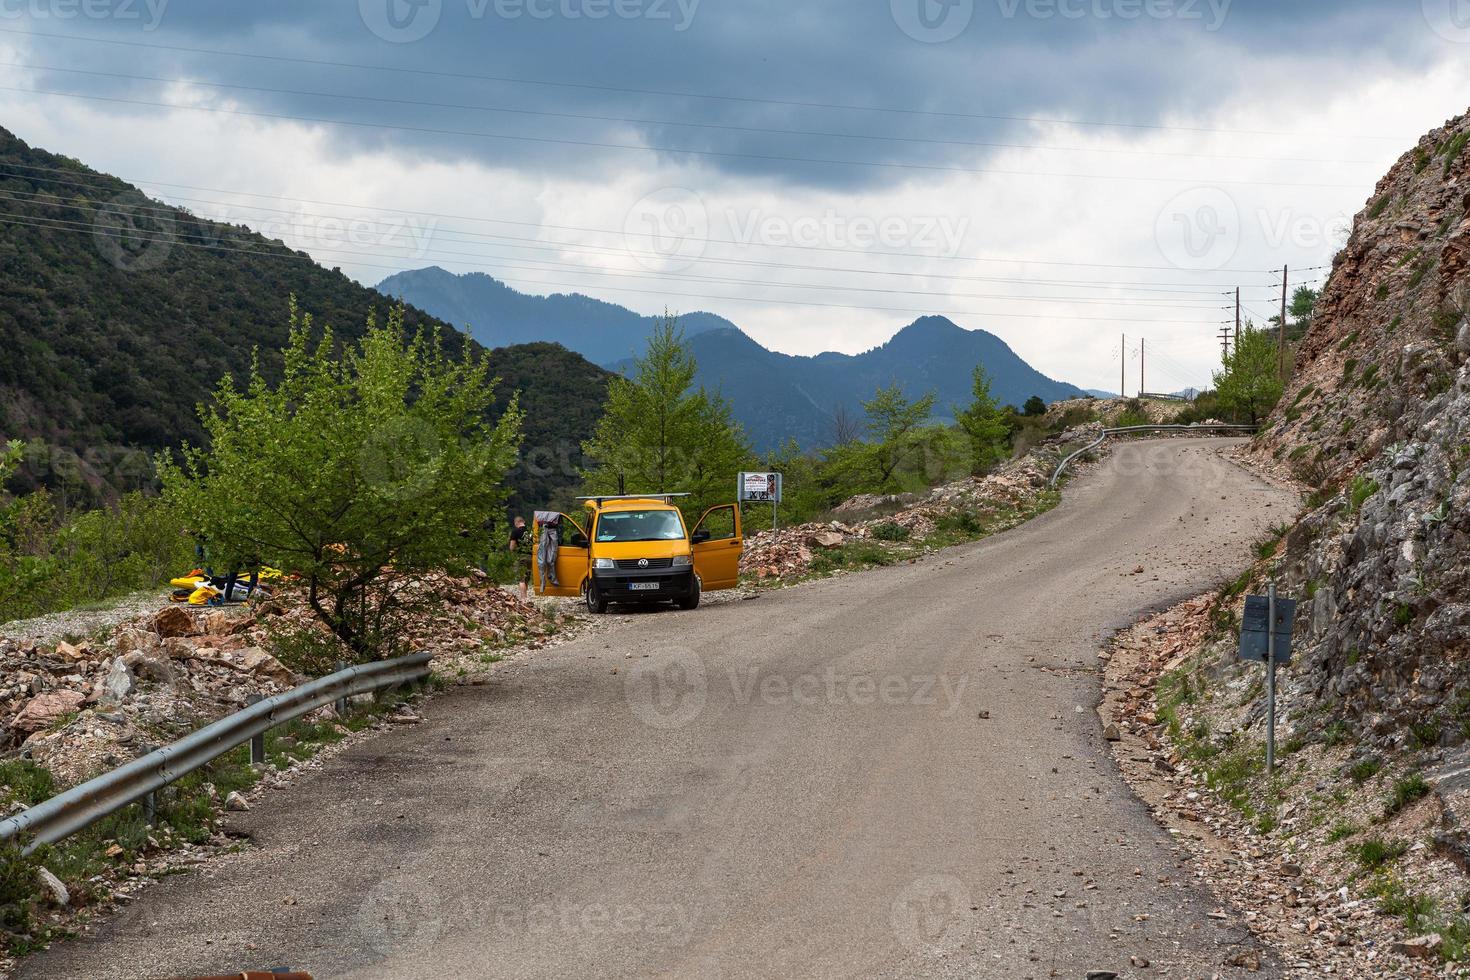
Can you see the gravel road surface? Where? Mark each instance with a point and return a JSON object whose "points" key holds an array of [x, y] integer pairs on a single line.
{"points": [[892, 774]]}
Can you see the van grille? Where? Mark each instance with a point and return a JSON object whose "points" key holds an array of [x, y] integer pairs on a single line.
{"points": [[652, 563]]}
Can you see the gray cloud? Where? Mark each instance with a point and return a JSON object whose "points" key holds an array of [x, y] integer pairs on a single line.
{"points": [[1135, 62]]}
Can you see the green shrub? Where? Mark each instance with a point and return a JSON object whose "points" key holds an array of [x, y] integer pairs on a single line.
{"points": [[1453, 149], [890, 531], [1406, 790], [1341, 831], [1361, 489], [1374, 853], [1361, 772], [1380, 206]]}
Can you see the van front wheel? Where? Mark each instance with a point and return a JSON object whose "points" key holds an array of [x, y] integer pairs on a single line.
{"points": [[596, 603], [691, 601]]}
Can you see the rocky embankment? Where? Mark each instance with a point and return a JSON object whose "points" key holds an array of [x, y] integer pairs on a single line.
{"points": [[82, 705], [1377, 417]]}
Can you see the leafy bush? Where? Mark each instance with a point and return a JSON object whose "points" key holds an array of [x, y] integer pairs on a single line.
{"points": [[377, 459], [1374, 853], [1361, 772], [1406, 790], [1361, 489], [890, 531]]}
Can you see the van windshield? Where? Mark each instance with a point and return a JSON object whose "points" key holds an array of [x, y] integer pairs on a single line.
{"points": [[640, 525]]}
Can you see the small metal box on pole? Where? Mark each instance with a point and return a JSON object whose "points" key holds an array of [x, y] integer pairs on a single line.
{"points": [[1265, 636]]}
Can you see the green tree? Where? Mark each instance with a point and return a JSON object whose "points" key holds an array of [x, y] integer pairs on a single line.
{"points": [[1034, 406], [896, 437], [659, 433], [1247, 384], [1303, 302], [984, 424], [360, 472]]}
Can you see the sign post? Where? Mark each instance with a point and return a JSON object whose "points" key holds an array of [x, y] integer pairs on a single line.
{"points": [[760, 488], [1265, 635]]}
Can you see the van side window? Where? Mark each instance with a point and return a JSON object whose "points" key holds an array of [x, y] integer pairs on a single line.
{"points": [[720, 524]]}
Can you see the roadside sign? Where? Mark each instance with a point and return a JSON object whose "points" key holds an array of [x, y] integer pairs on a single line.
{"points": [[1254, 634], [763, 487]]}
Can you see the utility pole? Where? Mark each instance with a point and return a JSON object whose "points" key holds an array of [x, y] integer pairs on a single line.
{"points": [[1123, 368], [1224, 343], [1142, 387], [1237, 316], [1281, 334]]}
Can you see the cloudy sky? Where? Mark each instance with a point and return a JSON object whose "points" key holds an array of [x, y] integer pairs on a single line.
{"points": [[1059, 172]]}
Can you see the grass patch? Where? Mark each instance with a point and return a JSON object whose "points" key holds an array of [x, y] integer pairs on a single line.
{"points": [[890, 531], [1380, 206], [1341, 831], [1409, 789], [1361, 489], [1453, 149], [1375, 852], [1361, 772]]}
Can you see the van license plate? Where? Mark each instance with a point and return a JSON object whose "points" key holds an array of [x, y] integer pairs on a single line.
{"points": [[643, 586]]}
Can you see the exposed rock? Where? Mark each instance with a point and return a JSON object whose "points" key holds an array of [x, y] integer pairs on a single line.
{"points": [[178, 648], [130, 640], [236, 803], [150, 668], [173, 621], [55, 891], [254, 660], [1421, 947], [826, 539], [118, 684], [44, 710], [67, 651]]}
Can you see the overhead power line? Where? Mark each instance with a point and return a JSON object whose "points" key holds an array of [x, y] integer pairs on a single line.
{"points": [[711, 241], [649, 148], [670, 93], [76, 226], [726, 127]]}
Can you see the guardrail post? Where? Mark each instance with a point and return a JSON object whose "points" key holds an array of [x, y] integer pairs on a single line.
{"points": [[257, 743], [342, 701], [150, 809]]}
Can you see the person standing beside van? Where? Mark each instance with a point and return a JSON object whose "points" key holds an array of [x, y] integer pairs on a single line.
{"points": [[521, 550]]}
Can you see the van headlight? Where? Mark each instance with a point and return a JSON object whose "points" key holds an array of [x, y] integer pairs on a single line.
{"points": [[682, 561], [603, 563]]}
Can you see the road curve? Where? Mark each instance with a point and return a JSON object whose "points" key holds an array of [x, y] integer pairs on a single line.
{"points": [[892, 774]]}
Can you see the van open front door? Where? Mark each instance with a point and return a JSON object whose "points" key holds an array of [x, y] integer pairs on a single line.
{"points": [[716, 544], [571, 560]]}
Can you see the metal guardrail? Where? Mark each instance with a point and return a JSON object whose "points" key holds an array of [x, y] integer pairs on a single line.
{"points": [[1133, 429], [66, 813]]}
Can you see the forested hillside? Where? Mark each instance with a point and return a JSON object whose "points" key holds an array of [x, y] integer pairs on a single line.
{"points": [[118, 315]]}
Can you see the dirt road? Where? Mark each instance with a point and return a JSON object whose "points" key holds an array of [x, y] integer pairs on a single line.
{"points": [[892, 774]]}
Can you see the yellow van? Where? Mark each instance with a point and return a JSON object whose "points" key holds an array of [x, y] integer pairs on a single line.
{"points": [[637, 549]]}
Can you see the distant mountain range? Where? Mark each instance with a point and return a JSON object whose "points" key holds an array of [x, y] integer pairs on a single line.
{"points": [[119, 315], [775, 396]]}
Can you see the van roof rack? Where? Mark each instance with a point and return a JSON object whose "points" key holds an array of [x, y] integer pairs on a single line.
{"points": [[632, 496]]}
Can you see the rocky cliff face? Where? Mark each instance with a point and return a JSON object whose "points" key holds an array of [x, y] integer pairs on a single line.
{"points": [[1377, 416]]}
